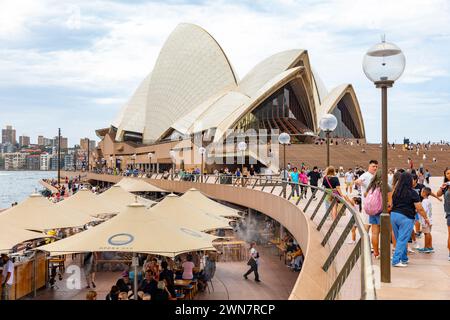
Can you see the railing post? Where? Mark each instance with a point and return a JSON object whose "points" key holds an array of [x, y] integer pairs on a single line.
{"points": [[339, 243], [327, 213], [318, 206]]}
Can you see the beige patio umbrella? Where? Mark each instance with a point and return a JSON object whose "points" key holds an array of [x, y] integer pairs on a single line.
{"points": [[137, 231], [117, 199], [174, 209], [11, 236], [85, 204], [36, 213], [197, 199], [138, 185]]}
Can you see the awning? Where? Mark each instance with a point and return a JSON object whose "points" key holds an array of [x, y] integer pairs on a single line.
{"points": [[198, 200], [11, 236], [134, 230], [175, 210], [138, 185], [37, 213], [118, 199]]}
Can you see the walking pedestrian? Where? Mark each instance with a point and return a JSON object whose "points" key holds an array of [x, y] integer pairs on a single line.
{"points": [[444, 190], [7, 276], [405, 203], [253, 262], [314, 177], [90, 266], [294, 177]]}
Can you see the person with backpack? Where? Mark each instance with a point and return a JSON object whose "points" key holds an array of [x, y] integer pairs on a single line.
{"points": [[373, 206], [444, 190], [253, 262]]}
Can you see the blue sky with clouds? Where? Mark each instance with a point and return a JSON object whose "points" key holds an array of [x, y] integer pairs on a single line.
{"points": [[73, 64]]}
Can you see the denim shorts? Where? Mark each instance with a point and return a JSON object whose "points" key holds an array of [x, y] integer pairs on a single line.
{"points": [[374, 219], [417, 217]]}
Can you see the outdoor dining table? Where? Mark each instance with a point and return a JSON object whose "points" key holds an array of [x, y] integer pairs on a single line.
{"points": [[182, 283]]}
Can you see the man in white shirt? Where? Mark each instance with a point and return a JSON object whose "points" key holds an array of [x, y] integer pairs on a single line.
{"points": [[253, 262], [7, 276], [363, 181]]}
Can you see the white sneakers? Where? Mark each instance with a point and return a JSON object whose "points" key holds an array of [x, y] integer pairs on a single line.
{"points": [[400, 265]]}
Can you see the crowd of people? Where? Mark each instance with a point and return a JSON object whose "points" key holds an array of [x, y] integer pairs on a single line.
{"points": [[409, 202], [156, 276]]}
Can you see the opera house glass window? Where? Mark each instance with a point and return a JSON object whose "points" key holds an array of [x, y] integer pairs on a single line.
{"points": [[346, 127], [282, 111]]}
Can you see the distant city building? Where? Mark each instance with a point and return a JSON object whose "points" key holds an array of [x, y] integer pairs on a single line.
{"points": [[8, 148], [33, 162], [9, 135], [15, 160], [68, 161], [84, 144], [24, 141], [45, 161], [64, 143], [40, 141], [54, 162]]}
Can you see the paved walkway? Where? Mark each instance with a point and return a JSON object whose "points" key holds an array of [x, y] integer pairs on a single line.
{"points": [[427, 275]]}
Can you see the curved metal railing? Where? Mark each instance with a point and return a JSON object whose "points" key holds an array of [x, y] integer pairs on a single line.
{"points": [[338, 229]]}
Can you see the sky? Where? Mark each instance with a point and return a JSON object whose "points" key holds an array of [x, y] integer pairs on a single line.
{"points": [[74, 64]]}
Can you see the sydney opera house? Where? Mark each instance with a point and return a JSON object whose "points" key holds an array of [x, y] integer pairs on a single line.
{"points": [[194, 90]]}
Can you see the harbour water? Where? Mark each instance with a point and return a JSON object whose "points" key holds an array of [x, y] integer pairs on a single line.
{"points": [[18, 185]]}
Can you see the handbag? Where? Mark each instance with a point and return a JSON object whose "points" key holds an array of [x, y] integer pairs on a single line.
{"points": [[251, 262]]}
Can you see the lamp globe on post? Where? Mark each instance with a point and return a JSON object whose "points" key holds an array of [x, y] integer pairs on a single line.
{"points": [[242, 146], [202, 152], [172, 156], [328, 124], [383, 64], [284, 139]]}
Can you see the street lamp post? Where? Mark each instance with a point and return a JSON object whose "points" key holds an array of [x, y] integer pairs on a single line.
{"points": [[284, 139], [327, 124], [172, 156], [383, 64], [202, 152], [242, 146], [133, 157], [150, 156]]}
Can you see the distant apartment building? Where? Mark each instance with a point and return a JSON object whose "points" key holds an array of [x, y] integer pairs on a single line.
{"points": [[8, 148], [54, 162], [68, 161], [9, 135], [45, 161], [64, 143], [15, 160], [40, 140], [45, 142], [24, 141], [33, 162], [84, 144]]}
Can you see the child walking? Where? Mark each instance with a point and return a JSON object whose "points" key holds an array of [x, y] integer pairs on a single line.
{"points": [[426, 229]]}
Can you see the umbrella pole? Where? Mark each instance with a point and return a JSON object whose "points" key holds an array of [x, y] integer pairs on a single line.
{"points": [[135, 280]]}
